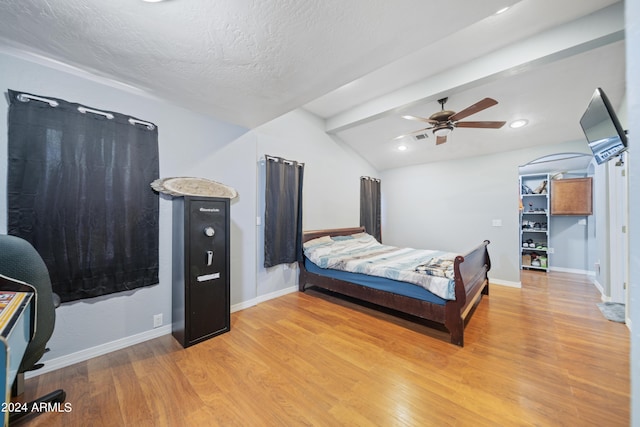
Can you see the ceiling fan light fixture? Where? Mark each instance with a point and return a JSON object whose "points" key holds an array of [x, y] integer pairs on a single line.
{"points": [[443, 122], [442, 131], [518, 123]]}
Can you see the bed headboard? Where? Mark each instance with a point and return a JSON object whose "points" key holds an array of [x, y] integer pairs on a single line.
{"points": [[313, 234]]}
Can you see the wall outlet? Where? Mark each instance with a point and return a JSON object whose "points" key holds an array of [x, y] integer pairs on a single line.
{"points": [[550, 250], [157, 320]]}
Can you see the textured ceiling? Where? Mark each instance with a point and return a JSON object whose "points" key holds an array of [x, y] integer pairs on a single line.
{"points": [[359, 64], [246, 62]]}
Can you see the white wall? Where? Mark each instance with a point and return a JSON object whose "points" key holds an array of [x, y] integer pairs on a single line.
{"points": [[632, 24], [190, 144], [331, 188], [569, 239], [421, 202]]}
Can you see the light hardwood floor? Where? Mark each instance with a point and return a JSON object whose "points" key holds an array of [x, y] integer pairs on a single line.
{"points": [[542, 355]]}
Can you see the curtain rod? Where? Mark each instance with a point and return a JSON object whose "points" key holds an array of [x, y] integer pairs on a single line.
{"points": [[148, 125], [85, 110], [25, 97], [277, 159]]}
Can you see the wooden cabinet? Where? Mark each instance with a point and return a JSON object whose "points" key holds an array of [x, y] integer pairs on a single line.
{"points": [[572, 196]]}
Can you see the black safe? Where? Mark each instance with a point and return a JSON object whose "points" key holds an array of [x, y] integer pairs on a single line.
{"points": [[200, 295]]}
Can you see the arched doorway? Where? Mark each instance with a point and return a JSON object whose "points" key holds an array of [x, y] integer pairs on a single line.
{"points": [[565, 242]]}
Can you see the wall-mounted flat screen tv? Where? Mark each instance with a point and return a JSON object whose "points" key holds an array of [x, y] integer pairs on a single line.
{"points": [[602, 128]]}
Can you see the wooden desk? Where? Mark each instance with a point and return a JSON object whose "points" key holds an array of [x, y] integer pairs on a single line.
{"points": [[16, 330]]}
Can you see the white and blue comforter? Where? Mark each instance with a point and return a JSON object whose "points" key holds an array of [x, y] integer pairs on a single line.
{"points": [[362, 253]]}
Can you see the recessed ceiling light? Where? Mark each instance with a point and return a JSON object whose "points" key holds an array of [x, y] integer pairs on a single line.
{"points": [[503, 10], [402, 147], [152, 1], [518, 123]]}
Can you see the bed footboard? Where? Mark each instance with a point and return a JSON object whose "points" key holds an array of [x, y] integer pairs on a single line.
{"points": [[471, 282]]}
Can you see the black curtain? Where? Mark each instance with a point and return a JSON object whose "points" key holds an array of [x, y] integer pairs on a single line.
{"points": [[78, 191], [283, 211], [370, 206]]}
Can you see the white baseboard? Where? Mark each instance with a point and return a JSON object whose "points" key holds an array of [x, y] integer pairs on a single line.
{"points": [[505, 283], [276, 294], [102, 349], [262, 298], [601, 290], [572, 270], [243, 305], [81, 356]]}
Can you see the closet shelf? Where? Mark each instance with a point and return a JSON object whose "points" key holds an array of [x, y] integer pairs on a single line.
{"points": [[534, 222]]}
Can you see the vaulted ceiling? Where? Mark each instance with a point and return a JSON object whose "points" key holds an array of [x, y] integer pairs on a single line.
{"points": [[358, 64]]}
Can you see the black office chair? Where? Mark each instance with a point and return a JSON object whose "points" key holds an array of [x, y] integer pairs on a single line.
{"points": [[20, 260]]}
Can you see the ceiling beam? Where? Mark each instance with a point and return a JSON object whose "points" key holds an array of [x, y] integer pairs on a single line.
{"points": [[598, 29]]}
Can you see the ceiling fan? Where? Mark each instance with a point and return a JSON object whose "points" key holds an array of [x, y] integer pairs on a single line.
{"points": [[444, 121]]}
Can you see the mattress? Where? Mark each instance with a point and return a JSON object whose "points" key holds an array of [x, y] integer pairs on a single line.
{"points": [[383, 284], [361, 253]]}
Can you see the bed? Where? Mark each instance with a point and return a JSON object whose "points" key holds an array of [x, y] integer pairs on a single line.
{"points": [[450, 306]]}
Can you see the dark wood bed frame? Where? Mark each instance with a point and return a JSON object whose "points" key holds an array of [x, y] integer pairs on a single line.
{"points": [[471, 282]]}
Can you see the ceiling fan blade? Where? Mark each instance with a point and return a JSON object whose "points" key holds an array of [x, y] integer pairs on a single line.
{"points": [[415, 132], [483, 125], [420, 119], [441, 140], [478, 106]]}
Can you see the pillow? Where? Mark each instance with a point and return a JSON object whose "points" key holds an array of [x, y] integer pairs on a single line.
{"points": [[359, 235], [364, 238], [317, 241]]}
